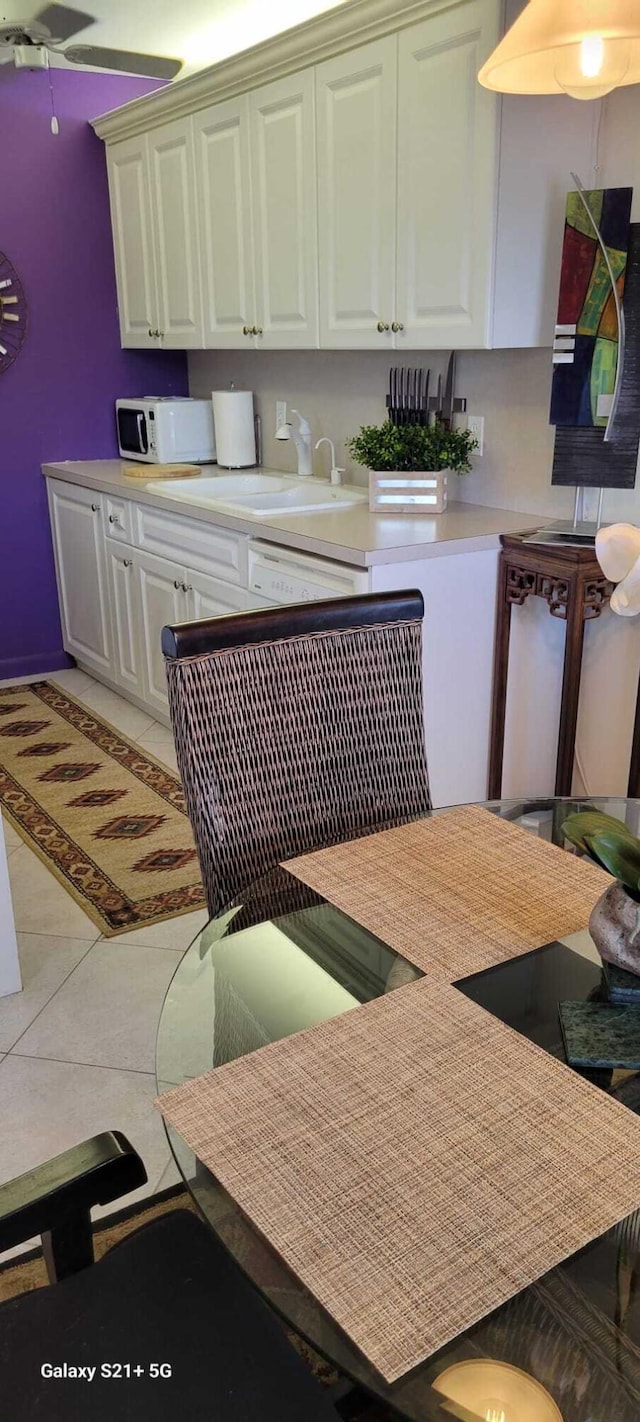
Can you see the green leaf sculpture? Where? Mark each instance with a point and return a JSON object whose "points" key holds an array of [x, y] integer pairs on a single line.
{"points": [[610, 844]]}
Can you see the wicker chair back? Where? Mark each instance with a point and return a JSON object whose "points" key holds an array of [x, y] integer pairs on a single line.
{"points": [[296, 728]]}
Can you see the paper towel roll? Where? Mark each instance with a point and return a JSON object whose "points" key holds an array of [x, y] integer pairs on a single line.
{"points": [[234, 428]]}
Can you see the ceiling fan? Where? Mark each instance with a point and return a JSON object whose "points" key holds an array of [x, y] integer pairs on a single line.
{"points": [[55, 24]]}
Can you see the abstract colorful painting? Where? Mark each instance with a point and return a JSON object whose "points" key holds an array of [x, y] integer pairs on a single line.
{"points": [[585, 351]]}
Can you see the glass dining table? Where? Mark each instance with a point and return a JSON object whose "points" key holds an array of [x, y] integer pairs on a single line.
{"points": [[284, 959]]}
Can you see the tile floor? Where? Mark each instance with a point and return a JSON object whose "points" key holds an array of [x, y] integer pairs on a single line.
{"points": [[77, 1045]]}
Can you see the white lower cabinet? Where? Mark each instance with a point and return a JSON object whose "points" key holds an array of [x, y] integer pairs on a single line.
{"points": [[116, 597], [165, 593], [77, 524], [162, 592], [127, 644], [208, 597]]}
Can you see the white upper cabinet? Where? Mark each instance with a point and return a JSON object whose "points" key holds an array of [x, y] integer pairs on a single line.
{"points": [[376, 197], [356, 101], [407, 145], [223, 180], [155, 238], [447, 161], [131, 220], [170, 157], [256, 180], [283, 173]]}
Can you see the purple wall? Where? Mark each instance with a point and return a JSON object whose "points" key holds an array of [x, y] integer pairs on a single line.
{"points": [[56, 401]]}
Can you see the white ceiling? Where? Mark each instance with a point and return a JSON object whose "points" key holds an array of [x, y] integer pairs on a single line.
{"points": [[200, 32]]}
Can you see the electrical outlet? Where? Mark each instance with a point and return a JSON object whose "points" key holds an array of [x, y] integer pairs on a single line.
{"points": [[475, 426], [281, 413]]}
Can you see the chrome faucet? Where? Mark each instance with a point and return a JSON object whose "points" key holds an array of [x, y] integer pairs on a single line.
{"points": [[302, 439]]}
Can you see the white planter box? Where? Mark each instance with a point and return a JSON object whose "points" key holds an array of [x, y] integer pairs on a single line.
{"points": [[418, 492]]}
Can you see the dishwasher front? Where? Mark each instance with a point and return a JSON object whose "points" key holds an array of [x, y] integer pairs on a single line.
{"points": [[281, 575]]}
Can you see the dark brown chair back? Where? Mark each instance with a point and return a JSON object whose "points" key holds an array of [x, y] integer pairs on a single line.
{"points": [[296, 727]]}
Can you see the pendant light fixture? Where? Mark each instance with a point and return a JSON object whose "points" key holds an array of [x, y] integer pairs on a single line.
{"points": [[583, 48]]}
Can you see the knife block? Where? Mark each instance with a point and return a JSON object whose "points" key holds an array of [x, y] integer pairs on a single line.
{"points": [[419, 492]]}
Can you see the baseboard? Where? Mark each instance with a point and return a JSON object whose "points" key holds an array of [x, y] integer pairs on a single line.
{"points": [[37, 664]]}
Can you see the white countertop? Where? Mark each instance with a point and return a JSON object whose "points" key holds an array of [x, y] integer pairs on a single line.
{"points": [[348, 535]]}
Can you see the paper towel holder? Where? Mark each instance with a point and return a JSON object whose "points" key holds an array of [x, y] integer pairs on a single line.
{"points": [[236, 431]]}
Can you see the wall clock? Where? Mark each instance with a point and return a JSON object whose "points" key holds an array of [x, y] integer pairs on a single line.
{"points": [[13, 313]]}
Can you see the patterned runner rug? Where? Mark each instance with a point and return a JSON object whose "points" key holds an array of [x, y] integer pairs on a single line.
{"points": [[107, 820]]}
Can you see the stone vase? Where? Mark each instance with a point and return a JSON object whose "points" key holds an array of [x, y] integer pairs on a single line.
{"points": [[614, 926]]}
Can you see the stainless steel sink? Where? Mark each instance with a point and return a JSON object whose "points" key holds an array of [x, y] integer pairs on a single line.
{"points": [[260, 494]]}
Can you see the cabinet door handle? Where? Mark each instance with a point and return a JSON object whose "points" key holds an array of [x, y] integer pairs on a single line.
{"points": [[397, 326], [186, 587], [127, 562], [113, 518], [177, 583], [95, 508], [257, 330], [247, 330], [151, 333], [383, 326]]}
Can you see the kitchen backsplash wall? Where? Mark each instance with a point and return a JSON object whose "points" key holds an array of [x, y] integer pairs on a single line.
{"points": [[56, 401], [340, 390], [337, 391]]}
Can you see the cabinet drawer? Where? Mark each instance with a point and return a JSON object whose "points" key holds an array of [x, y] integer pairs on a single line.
{"points": [[200, 545], [118, 522]]}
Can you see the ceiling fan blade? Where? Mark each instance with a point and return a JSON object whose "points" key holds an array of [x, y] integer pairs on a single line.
{"points": [[61, 23], [154, 66]]}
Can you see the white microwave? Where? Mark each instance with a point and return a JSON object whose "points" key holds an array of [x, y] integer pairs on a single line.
{"points": [[165, 429]]}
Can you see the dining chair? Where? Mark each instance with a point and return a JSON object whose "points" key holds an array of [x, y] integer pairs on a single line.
{"points": [[296, 727], [165, 1322]]}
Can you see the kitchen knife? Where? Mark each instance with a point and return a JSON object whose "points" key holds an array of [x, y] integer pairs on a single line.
{"points": [[447, 403]]}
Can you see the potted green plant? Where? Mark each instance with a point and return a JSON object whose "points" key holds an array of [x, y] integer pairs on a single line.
{"points": [[614, 924], [423, 454]]}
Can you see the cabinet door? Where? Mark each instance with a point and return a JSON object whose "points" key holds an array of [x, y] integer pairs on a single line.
{"points": [[76, 521], [447, 156], [131, 222], [356, 101], [127, 656], [223, 179], [163, 601], [208, 597], [175, 225], [283, 163]]}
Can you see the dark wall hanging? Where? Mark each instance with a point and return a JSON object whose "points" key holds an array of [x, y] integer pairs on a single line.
{"points": [[13, 313], [595, 401]]}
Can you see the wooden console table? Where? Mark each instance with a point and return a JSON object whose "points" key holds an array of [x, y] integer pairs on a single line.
{"points": [[571, 582]]}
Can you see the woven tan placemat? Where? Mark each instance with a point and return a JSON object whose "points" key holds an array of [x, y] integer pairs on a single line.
{"points": [[457, 892], [415, 1162]]}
